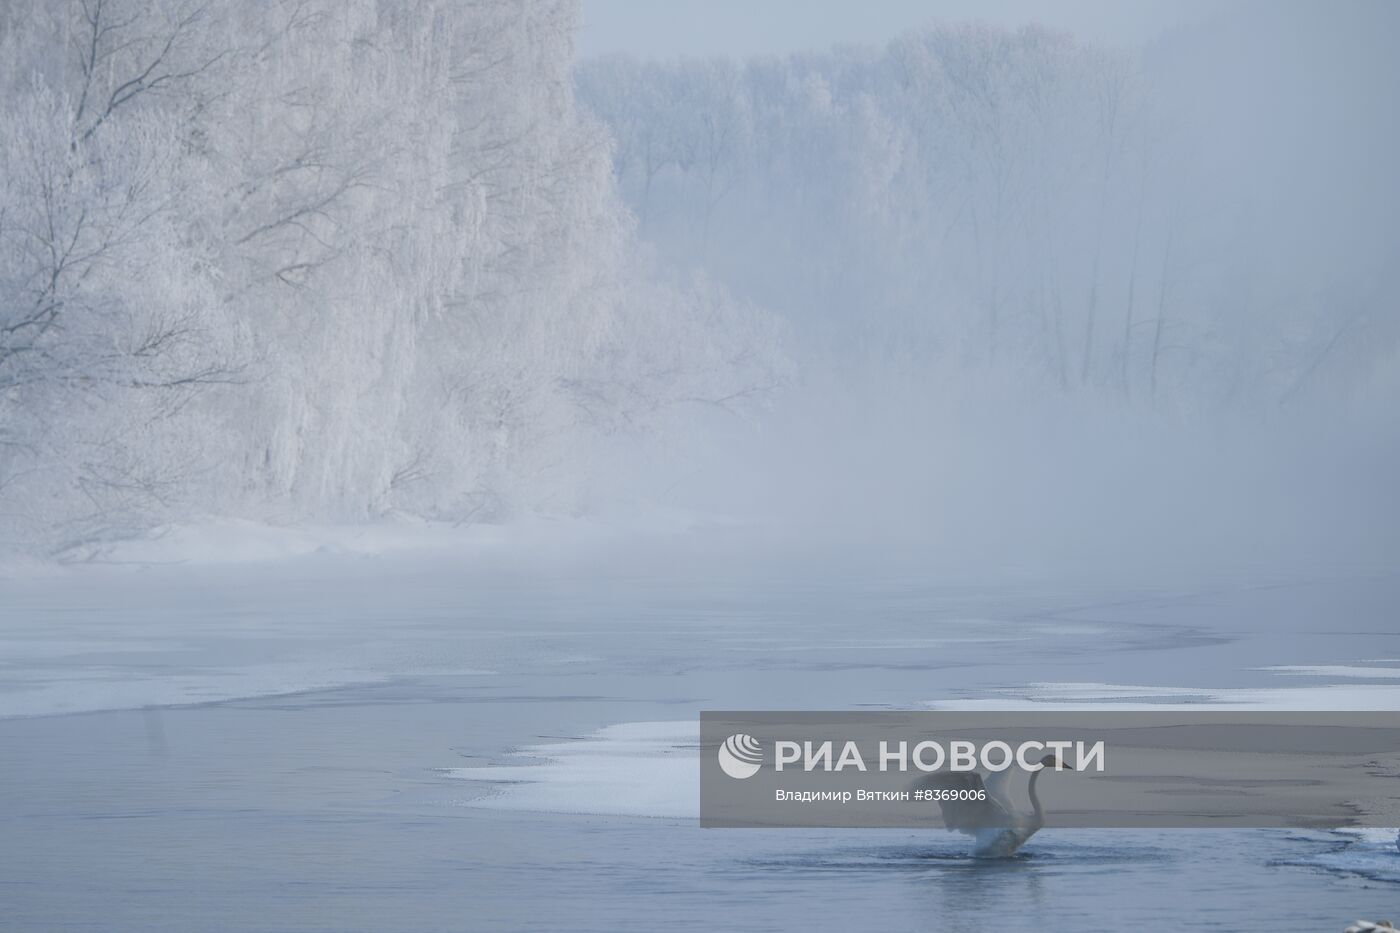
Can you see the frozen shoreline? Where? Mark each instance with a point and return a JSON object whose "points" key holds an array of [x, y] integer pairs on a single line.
{"points": [[236, 610]]}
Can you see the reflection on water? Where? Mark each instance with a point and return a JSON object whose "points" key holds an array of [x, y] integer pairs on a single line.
{"points": [[1233, 880]]}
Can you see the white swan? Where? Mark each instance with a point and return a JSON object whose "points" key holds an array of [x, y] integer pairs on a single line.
{"points": [[996, 826]]}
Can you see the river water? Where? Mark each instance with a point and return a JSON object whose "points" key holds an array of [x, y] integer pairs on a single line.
{"points": [[440, 742]]}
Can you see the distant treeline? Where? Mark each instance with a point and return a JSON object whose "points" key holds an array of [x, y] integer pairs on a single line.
{"points": [[1196, 226]]}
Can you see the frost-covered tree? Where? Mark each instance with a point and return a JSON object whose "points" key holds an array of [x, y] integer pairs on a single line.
{"points": [[297, 259]]}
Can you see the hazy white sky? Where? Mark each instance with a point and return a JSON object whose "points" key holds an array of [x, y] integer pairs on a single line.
{"points": [[742, 27]]}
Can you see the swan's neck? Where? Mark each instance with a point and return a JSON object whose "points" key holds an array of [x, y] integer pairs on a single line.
{"points": [[1037, 812]]}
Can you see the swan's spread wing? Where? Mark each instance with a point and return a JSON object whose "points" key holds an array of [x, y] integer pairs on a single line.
{"points": [[966, 816]]}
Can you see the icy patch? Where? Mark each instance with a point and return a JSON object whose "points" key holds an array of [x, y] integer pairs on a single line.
{"points": [[234, 541], [1336, 670], [632, 769], [237, 542], [1077, 696], [1371, 853]]}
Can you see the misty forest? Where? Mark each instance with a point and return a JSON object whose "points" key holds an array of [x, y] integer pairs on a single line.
{"points": [[291, 260]]}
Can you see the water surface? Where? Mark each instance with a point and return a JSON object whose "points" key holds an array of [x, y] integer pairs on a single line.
{"points": [[342, 805]]}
